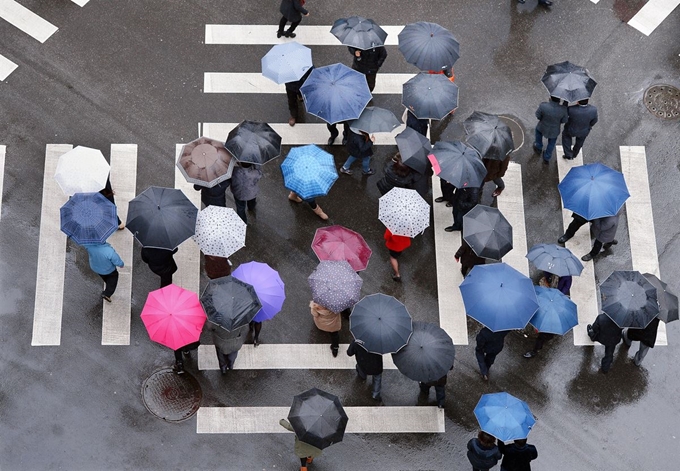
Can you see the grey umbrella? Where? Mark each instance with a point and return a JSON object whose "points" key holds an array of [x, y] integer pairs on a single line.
{"points": [[629, 299], [375, 119], [459, 164], [430, 96], [487, 232], [359, 32], [568, 81], [318, 418], [230, 302], [380, 323], [414, 149], [428, 46], [429, 354], [489, 135], [668, 302], [253, 142], [335, 285]]}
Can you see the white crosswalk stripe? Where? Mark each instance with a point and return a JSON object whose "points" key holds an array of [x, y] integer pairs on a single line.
{"points": [[3, 150], [6, 67], [511, 205], [27, 21], [80, 3], [652, 14]]}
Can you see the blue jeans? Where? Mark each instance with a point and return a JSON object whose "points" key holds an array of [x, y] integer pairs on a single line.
{"points": [[547, 154], [365, 163]]}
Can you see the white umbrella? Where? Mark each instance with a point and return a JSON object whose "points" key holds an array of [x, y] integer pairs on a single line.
{"points": [[404, 212], [219, 231], [82, 170]]}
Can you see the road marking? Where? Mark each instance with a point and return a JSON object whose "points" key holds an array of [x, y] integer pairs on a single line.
{"points": [[652, 14], [49, 286], [595, 1], [188, 257], [6, 67], [27, 21], [3, 149], [116, 316], [81, 3], [376, 419], [511, 204]]}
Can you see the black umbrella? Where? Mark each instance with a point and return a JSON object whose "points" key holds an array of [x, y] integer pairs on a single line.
{"points": [[359, 32], [375, 119], [459, 164], [430, 96], [254, 142], [414, 149], [161, 218], [318, 418], [380, 323], [487, 232], [489, 135], [229, 302], [428, 46], [429, 354], [629, 299], [668, 302], [568, 81]]}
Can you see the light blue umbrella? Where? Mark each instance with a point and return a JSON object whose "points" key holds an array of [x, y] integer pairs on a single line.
{"points": [[309, 171], [504, 416], [287, 62], [88, 218], [593, 191], [556, 312], [555, 259]]}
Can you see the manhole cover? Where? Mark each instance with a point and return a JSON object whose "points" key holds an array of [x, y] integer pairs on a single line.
{"points": [[663, 101], [516, 129], [170, 396]]}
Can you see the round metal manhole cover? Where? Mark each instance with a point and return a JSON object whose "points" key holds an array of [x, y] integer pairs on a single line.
{"points": [[663, 101], [170, 396], [516, 129]]}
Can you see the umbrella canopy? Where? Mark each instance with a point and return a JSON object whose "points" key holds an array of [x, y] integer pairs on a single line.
{"points": [[556, 312], [229, 302], [309, 171], [428, 46], [161, 218], [414, 149], [504, 416], [555, 259], [335, 285], [219, 231], [318, 418], [359, 32], [428, 355], [339, 243], [404, 212], [593, 191], [459, 164], [173, 316], [629, 299], [82, 170], [381, 324], [430, 96], [88, 218], [287, 62], [499, 297], [268, 286], [487, 232], [568, 81], [253, 142], [335, 93], [374, 119], [668, 302], [205, 162], [489, 135]]}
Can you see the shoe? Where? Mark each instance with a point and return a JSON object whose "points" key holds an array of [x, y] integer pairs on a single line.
{"points": [[396, 278], [377, 398], [344, 141], [545, 3], [546, 162], [331, 140], [497, 192], [178, 368], [334, 350], [223, 369], [319, 212], [291, 121], [563, 239], [567, 158], [288, 34], [520, 1], [279, 34], [310, 459], [369, 172], [293, 197], [449, 204], [613, 242], [587, 257], [452, 228], [121, 226], [346, 171], [530, 354], [485, 377], [439, 199], [106, 298], [537, 149], [256, 342], [440, 405]]}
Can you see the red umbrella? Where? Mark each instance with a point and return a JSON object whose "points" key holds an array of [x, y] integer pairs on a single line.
{"points": [[340, 243]]}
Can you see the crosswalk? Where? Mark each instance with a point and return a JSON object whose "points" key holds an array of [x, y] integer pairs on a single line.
{"points": [[3, 150]]}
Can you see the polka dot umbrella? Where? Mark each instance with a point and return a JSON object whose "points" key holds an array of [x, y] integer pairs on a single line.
{"points": [[219, 231], [404, 212], [335, 285]]}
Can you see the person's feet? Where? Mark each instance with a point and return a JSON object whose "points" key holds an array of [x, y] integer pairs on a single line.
{"points": [[346, 171], [545, 3], [485, 377], [530, 354], [121, 226], [178, 368], [279, 34], [319, 212], [256, 342], [564, 238], [334, 350], [289, 34], [344, 140], [291, 121], [293, 197], [331, 140], [397, 278], [223, 369], [587, 257], [440, 404], [106, 298], [439, 199], [537, 149], [370, 171], [452, 228]]}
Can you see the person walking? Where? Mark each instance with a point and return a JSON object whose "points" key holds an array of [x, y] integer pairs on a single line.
{"points": [[293, 11], [574, 225], [517, 456], [396, 175], [467, 258], [439, 389], [304, 451], [368, 62], [646, 337], [359, 146], [333, 129], [227, 343], [182, 352], [368, 364], [396, 245], [328, 321], [550, 114], [495, 171], [214, 196], [244, 187], [582, 118], [464, 199], [605, 331], [418, 125], [103, 261], [483, 452], [312, 204], [295, 97], [108, 193], [489, 345], [448, 191], [604, 230], [161, 262], [216, 267]]}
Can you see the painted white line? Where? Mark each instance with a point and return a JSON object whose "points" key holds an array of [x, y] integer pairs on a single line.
{"points": [[595, 1], [652, 14], [380, 419], [3, 149], [6, 67], [511, 204], [80, 3], [49, 286], [116, 316], [188, 257], [640, 218], [27, 21]]}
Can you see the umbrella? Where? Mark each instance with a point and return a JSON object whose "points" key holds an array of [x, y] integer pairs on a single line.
{"points": [[459, 164], [593, 191], [359, 32], [335, 93], [380, 324], [568, 81], [428, 46], [668, 302], [268, 286], [339, 243], [205, 162], [428, 355], [404, 212], [487, 232], [229, 302], [318, 418], [430, 96], [499, 297], [88, 218], [219, 231], [504, 416], [489, 135], [309, 171], [161, 218], [414, 149], [287, 62], [173, 316], [556, 312], [629, 299], [82, 170], [555, 259], [374, 119], [253, 142], [335, 285]]}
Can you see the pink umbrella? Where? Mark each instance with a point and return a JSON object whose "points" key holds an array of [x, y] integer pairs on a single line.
{"points": [[340, 243], [173, 316]]}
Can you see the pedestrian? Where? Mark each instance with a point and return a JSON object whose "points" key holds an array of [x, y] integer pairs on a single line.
{"points": [[489, 345], [605, 331], [328, 321], [396, 244], [108, 193], [333, 129], [215, 195], [417, 124], [182, 352], [439, 389], [217, 267], [561, 283], [550, 114], [359, 146], [545, 3], [293, 11], [574, 225], [495, 171], [517, 456], [161, 262], [368, 62], [446, 70], [103, 261], [304, 451], [244, 187], [604, 230], [582, 118], [295, 97], [467, 258], [421, 181], [464, 199], [541, 339], [227, 343], [646, 337], [396, 175], [368, 364], [312, 204], [483, 452]]}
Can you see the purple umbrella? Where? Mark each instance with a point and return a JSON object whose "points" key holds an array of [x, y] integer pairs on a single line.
{"points": [[268, 287]]}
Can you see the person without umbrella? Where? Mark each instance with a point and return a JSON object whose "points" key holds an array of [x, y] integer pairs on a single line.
{"points": [[464, 199], [605, 331], [439, 389], [368, 364], [328, 321], [244, 187], [646, 337], [467, 258], [295, 97], [103, 261], [517, 456], [368, 62], [214, 196], [396, 175], [604, 230], [483, 452], [304, 451], [108, 193], [489, 345], [293, 11], [227, 343], [582, 118], [161, 262], [359, 146], [396, 245], [561, 283], [550, 114]]}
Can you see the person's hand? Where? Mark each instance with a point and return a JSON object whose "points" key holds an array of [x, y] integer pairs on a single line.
{"points": [[306, 14], [357, 53], [457, 259], [372, 137]]}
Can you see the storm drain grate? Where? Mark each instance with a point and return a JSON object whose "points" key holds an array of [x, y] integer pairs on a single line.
{"points": [[170, 396], [663, 101]]}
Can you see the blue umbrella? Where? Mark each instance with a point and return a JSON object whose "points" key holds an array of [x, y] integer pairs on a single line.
{"points": [[556, 312], [555, 259], [460, 164], [499, 297], [593, 191], [430, 96], [504, 416], [88, 218], [428, 46], [336, 93], [287, 62], [309, 171]]}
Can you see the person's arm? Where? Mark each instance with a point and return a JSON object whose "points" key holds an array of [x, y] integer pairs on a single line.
{"points": [[382, 55], [501, 447], [594, 120], [298, 6], [350, 349], [539, 113], [534, 452], [115, 259], [285, 424], [459, 253]]}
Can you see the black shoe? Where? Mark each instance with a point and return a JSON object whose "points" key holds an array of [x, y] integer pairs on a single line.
{"points": [[439, 199], [369, 172], [537, 150], [520, 1], [377, 398], [567, 158], [449, 204], [587, 257], [452, 228], [288, 34], [396, 278], [106, 298], [334, 350], [546, 162], [179, 368], [530, 354], [223, 369], [331, 140], [545, 3], [614, 242], [344, 141], [279, 34], [563, 239], [440, 404]]}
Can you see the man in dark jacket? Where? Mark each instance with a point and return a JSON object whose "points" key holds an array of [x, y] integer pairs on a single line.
{"points": [[439, 389], [604, 230], [605, 331], [161, 262], [368, 62], [464, 199], [550, 114], [368, 364], [575, 225], [517, 456], [582, 118], [646, 337], [244, 187], [467, 258], [293, 11], [359, 146], [418, 125], [489, 344], [227, 343], [214, 196], [294, 97]]}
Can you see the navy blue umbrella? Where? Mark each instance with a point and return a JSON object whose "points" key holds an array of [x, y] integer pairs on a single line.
{"points": [[230, 302], [381, 324], [504, 416], [459, 164], [668, 302], [556, 312], [489, 135], [487, 232], [88, 218], [593, 191], [318, 418], [309, 171], [428, 355], [568, 81], [629, 299], [414, 149], [428, 46], [253, 142], [430, 96], [555, 259], [359, 32]]}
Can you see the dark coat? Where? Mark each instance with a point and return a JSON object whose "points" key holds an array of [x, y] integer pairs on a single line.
{"points": [[391, 179], [370, 363], [517, 458], [421, 181], [496, 168], [217, 267], [480, 457], [491, 342], [464, 199], [244, 182], [358, 146], [605, 331], [369, 60], [604, 229], [582, 118], [160, 261], [646, 335], [438, 382], [292, 10], [227, 341], [295, 86], [418, 125], [468, 257], [214, 196], [550, 116]]}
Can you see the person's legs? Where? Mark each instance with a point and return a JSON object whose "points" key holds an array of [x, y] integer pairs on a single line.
{"points": [[292, 106], [252, 204], [111, 281], [348, 163], [317, 209], [641, 354], [282, 24], [366, 164], [479, 354], [256, 327], [566, 145], [500, 186], [370, 80], [221, 360], [360, 372], [597, 246], [440, 393], [166, 279], [447, 191], [335, 342], [424, 389], [179, 362], [231, 358], [377, 383], [303, 463], [576, 223], [578, 144], [547, 155], [394, 263], [293, 25], [241, 209], [608, 358], [538, 142], [333, 129], [489, 359]]}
